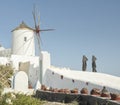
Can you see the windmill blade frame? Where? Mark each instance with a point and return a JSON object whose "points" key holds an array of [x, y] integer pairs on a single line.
{"points": [[47, 29], [37, 30]]}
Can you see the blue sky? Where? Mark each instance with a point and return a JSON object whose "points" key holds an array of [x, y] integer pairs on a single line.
{"points": [[82, 27]]}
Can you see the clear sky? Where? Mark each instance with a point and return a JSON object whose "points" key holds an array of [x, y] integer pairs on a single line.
{"points": [[82, 27]]}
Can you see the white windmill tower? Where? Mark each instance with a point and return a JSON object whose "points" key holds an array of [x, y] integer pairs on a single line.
{"points": [[23, 39], [23, 42]]}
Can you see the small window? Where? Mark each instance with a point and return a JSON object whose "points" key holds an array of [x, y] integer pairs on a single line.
{"points": [[87, 83], [52, 73], [61, 76], [73, 80], [25, 39]]}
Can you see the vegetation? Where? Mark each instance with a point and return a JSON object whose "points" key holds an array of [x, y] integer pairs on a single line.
{"points": [[22, 99], [19, 99], [6, 71]]}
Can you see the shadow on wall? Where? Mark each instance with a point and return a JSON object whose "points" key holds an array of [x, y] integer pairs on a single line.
{"points": [[33, 75], [55, 80]]}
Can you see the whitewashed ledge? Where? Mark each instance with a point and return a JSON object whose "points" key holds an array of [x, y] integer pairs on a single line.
{"points": [[28, 92]]}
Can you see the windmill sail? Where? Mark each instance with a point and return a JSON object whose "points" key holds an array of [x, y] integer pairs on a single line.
{"points": [[36, 17]]}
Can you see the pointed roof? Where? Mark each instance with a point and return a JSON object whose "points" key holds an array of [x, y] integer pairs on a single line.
{"points": [[22, 26]]}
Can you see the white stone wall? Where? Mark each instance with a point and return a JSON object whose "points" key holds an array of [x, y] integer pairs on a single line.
{"points": [[23, 42], [20, 82], [41, 69], [34, 69], [45, 64], [79, 79], [4, 60]]}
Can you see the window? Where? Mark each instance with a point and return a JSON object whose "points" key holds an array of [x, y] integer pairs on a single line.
{"points": [[25, 39]]}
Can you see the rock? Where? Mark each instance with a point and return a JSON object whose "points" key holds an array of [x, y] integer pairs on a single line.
{"points": [[43, 87], [55, 90], [67, 91], [115, 96], [61, 90], [105, 93], [84, 91], [95, 91], [74, 91]]}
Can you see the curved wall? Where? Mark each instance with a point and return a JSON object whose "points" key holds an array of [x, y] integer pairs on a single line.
{"points": [[23, 42]]}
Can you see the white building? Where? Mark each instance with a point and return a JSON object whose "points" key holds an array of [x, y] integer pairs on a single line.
{"points": [[22, 54], [38, 68]]}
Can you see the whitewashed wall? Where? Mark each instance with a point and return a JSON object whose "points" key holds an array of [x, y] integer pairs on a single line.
{"points": [[41, 69], [81, 79], [23, 42], [20, 82], [45, 64], [34, 68], [3, 60]]}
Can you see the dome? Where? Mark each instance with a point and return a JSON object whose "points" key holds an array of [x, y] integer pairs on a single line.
{"points": [[22, 26]]}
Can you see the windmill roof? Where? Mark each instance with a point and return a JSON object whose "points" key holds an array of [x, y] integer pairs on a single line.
{"points": [[22, 26]]}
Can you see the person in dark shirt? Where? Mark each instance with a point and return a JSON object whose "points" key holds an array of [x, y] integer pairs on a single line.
{"points": [[94, 63], [84, 63]]}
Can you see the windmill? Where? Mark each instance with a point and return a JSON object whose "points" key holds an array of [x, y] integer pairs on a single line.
{"points": [[23, 37], [37, 28], [37, 31], [23, 43]]}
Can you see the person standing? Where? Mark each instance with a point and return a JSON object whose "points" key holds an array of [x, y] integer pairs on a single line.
{"points": [[84, 63], [94, 64]]}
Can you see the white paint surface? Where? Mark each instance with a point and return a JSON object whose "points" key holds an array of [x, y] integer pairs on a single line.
{"points": [[23, 42], [21, 82], [38, 85], [45, 64], [34, 69], [81, 79]]}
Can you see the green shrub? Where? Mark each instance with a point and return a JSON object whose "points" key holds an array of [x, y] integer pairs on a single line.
{"points": [[26, 100], [19, 99]]}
